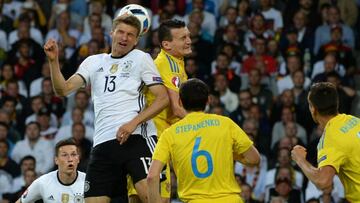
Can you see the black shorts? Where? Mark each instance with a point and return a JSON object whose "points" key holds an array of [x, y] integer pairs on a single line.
{"points": [[110, 162]]}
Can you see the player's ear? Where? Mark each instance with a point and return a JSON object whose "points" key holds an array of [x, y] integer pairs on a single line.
{"points": [[166, 45], [56, 160]]}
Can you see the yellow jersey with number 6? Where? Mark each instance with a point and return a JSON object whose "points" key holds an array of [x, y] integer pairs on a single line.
{"points": [[201, 147], [339, 147]]}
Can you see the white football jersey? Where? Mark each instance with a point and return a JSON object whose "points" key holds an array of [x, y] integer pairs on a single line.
{"points": [[49, 188], [117, 91]]}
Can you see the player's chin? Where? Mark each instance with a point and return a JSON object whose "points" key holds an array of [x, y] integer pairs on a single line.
{"points": [[187, 51]]}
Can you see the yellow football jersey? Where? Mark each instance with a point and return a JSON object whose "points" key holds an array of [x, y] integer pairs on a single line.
{"points": [[339, 147], [201, 148], [172, 72]]}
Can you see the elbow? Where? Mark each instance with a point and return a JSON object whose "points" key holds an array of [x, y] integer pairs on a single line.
{"points": [[60, 92], [323, 183], [255, 161]]}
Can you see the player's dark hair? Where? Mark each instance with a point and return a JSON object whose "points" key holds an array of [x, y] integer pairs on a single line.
{"points": [[165, 29], [128, 20], [194, 95], [62, 143], [324, 98]]}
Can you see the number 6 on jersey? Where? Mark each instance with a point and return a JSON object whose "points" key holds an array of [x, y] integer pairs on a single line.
{"points": [[196, 153]]}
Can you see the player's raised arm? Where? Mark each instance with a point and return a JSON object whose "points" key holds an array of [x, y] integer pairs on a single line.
{"points": [[61, 86]]}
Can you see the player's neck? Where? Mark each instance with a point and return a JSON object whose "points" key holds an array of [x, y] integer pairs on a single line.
{"points": [[323, 120], [67, 178], [169, 52]]}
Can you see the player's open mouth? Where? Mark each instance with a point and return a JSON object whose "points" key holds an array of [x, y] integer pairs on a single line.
{"points": [[122, 44], [71, 166]]}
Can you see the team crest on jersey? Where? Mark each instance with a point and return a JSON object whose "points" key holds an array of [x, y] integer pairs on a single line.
{"points": [[86, 186], [65, 198], [176, 81], [127, 66], [78, 198], [114, 68]]}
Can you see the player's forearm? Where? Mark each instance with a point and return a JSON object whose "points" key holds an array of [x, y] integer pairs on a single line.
{"points": [[178, 111], [58, 80], [153, 189], [314, 175]]}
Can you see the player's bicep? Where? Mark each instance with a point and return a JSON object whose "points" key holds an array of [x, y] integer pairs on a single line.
{"points": [[250, 156], [328, 172], [158, 90], [75, 82]]}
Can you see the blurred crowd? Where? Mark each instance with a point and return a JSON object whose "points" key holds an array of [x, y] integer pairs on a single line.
{"points": [[259, 57]]}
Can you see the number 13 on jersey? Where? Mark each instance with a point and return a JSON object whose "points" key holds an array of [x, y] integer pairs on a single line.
{"points": [[196, 153]]}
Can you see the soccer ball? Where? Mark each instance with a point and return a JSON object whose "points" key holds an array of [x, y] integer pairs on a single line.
{"points": [[141, 14]]}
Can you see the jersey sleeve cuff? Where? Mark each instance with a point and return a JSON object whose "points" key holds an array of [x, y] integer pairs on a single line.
{"points": [[153, 84], [82, 77]]}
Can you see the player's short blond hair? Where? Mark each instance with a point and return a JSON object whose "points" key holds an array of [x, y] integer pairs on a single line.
{"points": [[128, 20]]}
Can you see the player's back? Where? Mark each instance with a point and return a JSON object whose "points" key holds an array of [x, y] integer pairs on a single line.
{"points": [[340, 148], [201, 148]]}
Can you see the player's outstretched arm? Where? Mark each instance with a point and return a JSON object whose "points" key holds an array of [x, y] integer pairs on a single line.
{"points": [[160, 102], [61, 87], [153, 181], [321, 177]]}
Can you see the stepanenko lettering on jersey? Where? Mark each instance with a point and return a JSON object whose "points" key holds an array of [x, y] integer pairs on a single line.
{"points": [[117, 91], [202, 124]]}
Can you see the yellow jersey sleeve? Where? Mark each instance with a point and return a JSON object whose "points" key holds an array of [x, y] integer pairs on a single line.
{"points": [[162, 149], [328, 154], [241, 141], [170, 72]]}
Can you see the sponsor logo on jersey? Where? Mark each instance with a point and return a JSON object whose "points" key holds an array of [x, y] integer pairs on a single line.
{"points": [[114, 68], [100, 69], [176, 81]]}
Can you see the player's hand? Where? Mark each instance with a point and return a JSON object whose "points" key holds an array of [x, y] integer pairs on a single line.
{"points": [[125, 131], [51, 49], [298, 153]]}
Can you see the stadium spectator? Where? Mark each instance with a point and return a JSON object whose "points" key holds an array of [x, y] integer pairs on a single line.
{"points": [[227, 97], [26, 163], [33, 144], [322, 34], [6, 163]]}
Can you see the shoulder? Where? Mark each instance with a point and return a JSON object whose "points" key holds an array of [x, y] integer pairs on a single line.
{"points": [[81, 175], [46, 178], [97, 57], [137, 52]]}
